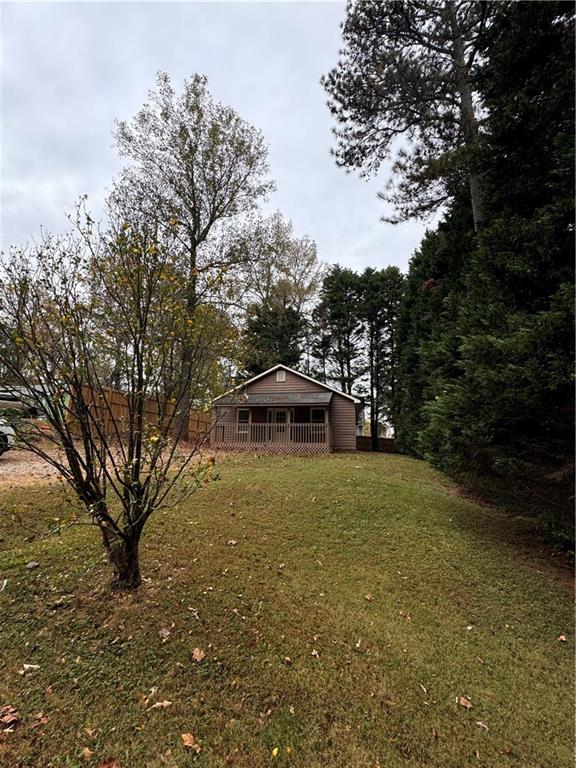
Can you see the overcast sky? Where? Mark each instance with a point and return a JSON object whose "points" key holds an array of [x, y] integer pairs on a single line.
{"points": [[70, 69]]}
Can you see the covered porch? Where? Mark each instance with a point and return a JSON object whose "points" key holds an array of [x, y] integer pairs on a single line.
{"points": [[291, 422]]}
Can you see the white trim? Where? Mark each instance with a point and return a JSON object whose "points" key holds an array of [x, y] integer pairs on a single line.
{"points": [[290, 370]]}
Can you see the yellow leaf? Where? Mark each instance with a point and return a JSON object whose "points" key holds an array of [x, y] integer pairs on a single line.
{"points": [[274, 751], [198, 654], [190, 742]]}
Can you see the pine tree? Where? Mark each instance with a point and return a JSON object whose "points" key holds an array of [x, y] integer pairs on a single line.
{"points": [[337, 318], [407, 71], [380, 294], [274, 334]]}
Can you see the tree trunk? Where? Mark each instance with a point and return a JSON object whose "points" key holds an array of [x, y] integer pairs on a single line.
{"points": [[185, 395], [124, 558], [373, 391], [467, 114], [185, 398]]}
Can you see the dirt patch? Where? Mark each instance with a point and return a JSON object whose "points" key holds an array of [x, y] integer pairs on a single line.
{"points": [[22, 467]]}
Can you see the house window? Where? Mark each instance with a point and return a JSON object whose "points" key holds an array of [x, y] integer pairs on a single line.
{"points": [[243, 420], [317, 415], [280, 375]]}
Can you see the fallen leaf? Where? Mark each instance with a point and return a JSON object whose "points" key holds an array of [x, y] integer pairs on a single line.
{"points": [[87, 753], [164, 634], [40, 719], [190, 742], [464, 702], [32, 564], [160, 705], [198, 654], [275, 752], [315, 653], [110, 764], [151, 695], [9, 717], [287, 659], [369, 597], [563, 638], [231, 543], [28, 668], [90, 732], [405, 615], [482, 725]]}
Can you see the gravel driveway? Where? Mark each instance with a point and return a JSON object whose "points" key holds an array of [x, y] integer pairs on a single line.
{"points": [[23, 466]]}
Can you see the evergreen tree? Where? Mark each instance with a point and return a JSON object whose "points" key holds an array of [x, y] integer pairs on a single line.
{"points": [[407, 69], [274, 334], [380, 293], [338, 342], [426, 333], [486, 326]]}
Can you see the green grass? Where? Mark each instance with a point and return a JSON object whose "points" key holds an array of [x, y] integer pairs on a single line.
{"points": [[464, 604]]}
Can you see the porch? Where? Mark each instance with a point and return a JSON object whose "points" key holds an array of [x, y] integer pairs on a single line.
{"points": [[274, 428]]}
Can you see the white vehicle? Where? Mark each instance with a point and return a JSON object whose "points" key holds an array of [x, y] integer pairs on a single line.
{"points": [[7, 437]]}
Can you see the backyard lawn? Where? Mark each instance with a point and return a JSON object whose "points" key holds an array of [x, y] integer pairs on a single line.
{"points": [[338, 611]]}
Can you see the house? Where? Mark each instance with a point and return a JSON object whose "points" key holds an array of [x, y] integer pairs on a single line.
{"points": [[285, 411]]}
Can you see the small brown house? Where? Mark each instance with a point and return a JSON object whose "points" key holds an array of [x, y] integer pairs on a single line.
{"points": [[284, 411]]}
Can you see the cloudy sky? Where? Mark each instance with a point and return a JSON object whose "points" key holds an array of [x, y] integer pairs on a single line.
{"points": [[68, 70]]}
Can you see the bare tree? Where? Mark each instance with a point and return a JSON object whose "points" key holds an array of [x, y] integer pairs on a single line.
{"points": [[196, 167], [281, 268], [65, 306]]}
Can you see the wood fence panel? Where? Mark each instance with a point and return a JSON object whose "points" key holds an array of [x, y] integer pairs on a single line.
{"points": [[110, 410], [385, 444]]}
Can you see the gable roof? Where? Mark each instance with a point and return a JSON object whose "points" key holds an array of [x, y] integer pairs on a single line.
{"points": [[290, 370]]}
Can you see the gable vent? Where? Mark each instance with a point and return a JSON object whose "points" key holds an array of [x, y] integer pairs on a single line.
{"points": [[280, 375]]}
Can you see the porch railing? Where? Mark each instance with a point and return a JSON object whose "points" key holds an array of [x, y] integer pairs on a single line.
{"points": [[270, 435]]}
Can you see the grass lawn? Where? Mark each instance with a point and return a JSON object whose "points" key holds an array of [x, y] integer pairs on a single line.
{"points": [[361, 599]]}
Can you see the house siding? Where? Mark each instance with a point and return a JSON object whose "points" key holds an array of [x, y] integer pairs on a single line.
{"points": [[343, 424], [225, 414], [291, 384]]}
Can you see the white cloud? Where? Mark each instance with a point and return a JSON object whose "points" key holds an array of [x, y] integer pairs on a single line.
{"points": [[69, 70]]}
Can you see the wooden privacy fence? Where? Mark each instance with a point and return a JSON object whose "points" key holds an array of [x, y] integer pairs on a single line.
{"points": [[109, 408], [385, 444]]}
